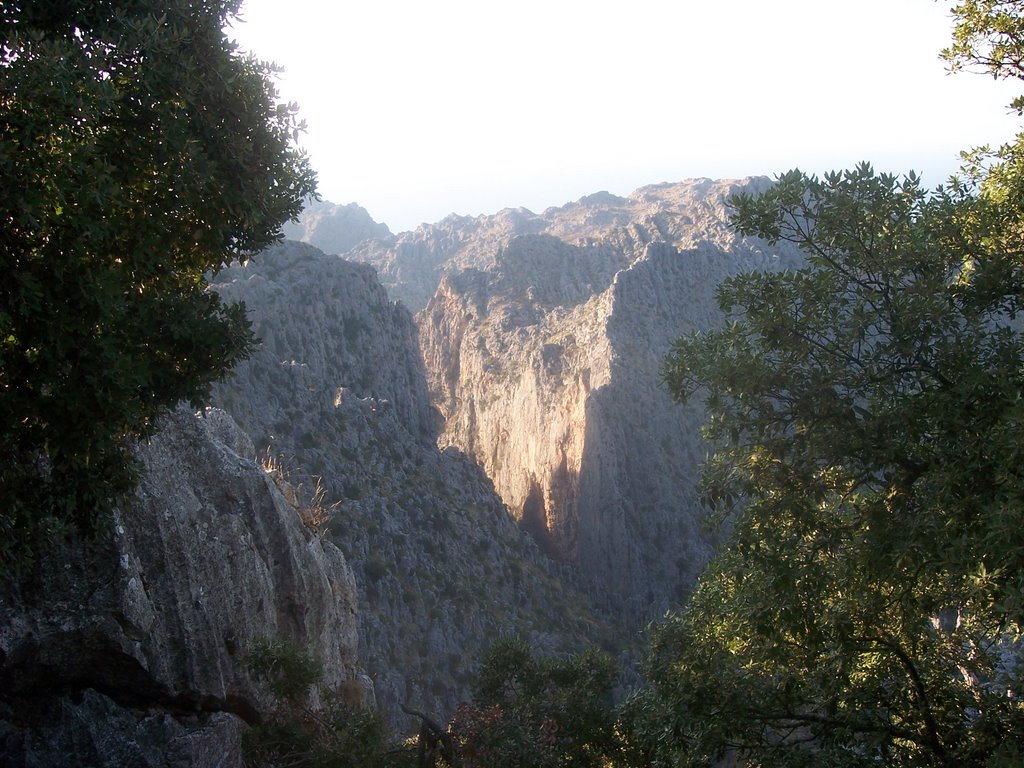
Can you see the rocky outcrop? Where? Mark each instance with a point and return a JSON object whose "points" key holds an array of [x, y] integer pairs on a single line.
{"points": [[338, 391], [543, 355], [543, 336], [90, 730], [130, 650], [411, 265]]}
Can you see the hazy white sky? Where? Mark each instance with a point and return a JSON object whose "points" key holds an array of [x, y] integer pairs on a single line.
{"points": [[417, 109]]}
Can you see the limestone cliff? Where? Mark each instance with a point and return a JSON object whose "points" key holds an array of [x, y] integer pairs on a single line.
{"points": [[543, 342], [338, 390], [129, 651]]}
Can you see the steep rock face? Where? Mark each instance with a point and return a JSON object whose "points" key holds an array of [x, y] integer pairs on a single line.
{"points": [[338, 390], [323, 322], [513, 363], [544, 361], [207, 559]]}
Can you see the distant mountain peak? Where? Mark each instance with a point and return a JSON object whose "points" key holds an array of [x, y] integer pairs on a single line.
{"points": [[335, 228]]}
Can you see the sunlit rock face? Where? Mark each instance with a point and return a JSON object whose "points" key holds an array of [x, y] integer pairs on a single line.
{"points": [[338, 390], [130, 650], [543, 340]]}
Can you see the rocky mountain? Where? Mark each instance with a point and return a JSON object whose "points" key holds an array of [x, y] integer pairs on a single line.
{"points": [[334, 228], [543, 336], [507, 464], [412, 264], [338, 391], [130, 651]]}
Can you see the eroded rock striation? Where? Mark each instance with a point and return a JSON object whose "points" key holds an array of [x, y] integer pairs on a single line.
{"points": [[130, 651]]}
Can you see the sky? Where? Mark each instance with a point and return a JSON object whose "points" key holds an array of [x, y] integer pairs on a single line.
{"points": [[416, 109]]}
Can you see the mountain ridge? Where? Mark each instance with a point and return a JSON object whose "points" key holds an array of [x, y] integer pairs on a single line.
{"points": [[542, 337], [411, 263]]}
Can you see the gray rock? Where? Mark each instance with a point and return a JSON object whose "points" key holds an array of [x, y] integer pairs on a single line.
{"points": [[335, 228], [543, 336], [543, 356], [156, 617], [338, 391], [99, 733]]}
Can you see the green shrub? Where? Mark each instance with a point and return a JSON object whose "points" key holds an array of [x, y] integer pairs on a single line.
{"points": [[341, 733], [284, 667]]}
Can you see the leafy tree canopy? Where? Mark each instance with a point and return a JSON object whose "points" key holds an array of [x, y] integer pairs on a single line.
{"points": [[538, 711], [866, 413], [139, 152]]}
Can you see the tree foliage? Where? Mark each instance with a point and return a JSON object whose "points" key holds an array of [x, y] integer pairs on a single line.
{"points": [[341, 731], [988, 38], [538, 711], [866, 413], [139, 152]]}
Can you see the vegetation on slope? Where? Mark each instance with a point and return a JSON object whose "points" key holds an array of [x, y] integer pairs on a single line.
{"points": [[865, 409]]}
